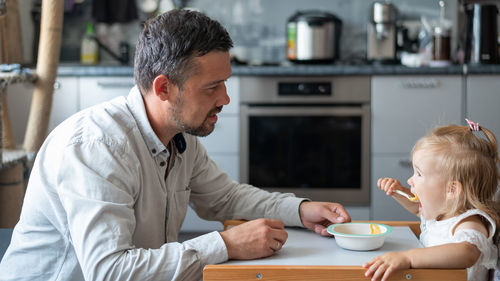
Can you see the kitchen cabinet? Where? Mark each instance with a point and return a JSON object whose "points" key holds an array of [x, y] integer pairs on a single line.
{"points": [[483, 101], [64, 104], [222, 146], [74, 93], [405, 108], [396, 166], [223, 143], [94, 90]]}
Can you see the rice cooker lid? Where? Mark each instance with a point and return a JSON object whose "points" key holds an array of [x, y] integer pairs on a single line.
{"points": [[314, 17]]}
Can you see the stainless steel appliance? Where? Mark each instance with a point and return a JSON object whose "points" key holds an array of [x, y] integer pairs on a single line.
{"points": [[382, 32], [307, 135], [313, 37], [481, 43]]}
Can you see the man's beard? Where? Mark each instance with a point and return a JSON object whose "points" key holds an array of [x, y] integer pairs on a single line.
{"points": [[200, 131]]}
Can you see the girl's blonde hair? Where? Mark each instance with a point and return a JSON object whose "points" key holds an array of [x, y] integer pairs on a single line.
{"points": [[463, 156]]}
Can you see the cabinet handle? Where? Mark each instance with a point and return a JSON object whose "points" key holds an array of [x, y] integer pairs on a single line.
{"points": [[420, 84], [115, 84], [57, 85], [405, 163]]}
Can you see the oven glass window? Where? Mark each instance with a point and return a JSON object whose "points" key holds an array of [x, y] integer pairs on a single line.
{"points": [[305, 151]]}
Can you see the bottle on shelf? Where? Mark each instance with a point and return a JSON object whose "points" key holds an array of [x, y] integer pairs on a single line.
{"points": [[89, 53]]}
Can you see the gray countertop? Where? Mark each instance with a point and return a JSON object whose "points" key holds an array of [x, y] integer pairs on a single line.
{"points": [[297, 70]]}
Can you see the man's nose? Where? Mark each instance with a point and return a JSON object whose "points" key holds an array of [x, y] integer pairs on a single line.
{"points": [[224, 98]]}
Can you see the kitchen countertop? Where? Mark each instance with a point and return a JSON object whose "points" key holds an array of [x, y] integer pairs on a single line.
{"points": [[296, 70]]}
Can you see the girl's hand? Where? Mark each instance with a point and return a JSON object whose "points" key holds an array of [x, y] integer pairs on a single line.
{"points": [[389, 185], [381, 267]]}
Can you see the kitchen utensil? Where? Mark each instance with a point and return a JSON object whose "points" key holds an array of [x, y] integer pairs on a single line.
{"points": [[412, 199], [313, 37], [358, 236]]}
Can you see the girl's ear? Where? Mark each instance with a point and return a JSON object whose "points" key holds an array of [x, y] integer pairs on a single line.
{"points": [[454, 189], [161, 87]]}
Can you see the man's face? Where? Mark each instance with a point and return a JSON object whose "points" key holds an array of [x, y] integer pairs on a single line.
{"points": [[195, 108]]}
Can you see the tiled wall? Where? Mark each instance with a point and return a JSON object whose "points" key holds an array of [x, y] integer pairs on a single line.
{"points": [[254, 24]]}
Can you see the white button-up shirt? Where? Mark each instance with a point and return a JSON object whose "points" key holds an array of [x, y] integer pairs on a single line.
{"points": [[101, 205]]}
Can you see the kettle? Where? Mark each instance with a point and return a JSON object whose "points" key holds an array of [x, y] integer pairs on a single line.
{"points": [[313, 37], [481, 46]]}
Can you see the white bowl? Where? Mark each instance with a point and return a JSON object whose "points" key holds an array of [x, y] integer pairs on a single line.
{"points": [[356, 235]]}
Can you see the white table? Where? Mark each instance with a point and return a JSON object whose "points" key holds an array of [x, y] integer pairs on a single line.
{"points": [[308, 256], [306, 248]]}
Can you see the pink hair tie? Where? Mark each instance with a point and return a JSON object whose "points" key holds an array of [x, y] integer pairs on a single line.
{"points": [[473, 126]]}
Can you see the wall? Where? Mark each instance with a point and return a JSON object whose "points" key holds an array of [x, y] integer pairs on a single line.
{"points": [[255, 24], [270, 17]]}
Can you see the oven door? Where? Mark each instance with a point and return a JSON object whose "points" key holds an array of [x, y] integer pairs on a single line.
{"points": [[317, 152]]}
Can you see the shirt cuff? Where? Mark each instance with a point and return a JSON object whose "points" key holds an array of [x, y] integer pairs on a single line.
{"points": [[289, 211], [210, 247]]}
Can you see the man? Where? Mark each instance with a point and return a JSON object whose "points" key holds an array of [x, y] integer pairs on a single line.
{"points": [[110, 186]]}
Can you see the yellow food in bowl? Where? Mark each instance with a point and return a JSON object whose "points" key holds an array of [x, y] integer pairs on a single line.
{"points": [[375, 229]]}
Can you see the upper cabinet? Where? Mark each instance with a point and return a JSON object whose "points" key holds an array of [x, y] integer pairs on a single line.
{"points": [[405, 108], [483, 101]]}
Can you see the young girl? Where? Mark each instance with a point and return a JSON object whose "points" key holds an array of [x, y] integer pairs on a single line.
{"points": [[455, 179]]}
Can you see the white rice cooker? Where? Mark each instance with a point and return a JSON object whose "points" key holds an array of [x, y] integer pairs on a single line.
{"points": [[313, 37]]}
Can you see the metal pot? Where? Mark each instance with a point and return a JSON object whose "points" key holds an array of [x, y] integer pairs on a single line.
{"points": [[313, 37]]}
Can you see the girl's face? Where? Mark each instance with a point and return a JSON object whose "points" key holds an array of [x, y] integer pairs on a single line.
{"points": [[428, 184]]}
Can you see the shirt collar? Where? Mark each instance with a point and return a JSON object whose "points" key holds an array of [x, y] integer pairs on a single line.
{"points": [[136, 104]]}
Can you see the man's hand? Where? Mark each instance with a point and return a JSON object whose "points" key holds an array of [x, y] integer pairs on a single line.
{"points": [[254, 239], [317, 216]]}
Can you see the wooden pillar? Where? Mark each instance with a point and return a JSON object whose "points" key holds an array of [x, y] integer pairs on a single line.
{"points": [[12, 34], [11, 194], [12, 52], [46, 71]]}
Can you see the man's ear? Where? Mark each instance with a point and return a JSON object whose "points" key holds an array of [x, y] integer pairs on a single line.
{"points": [[454, 189], [162, 87]]}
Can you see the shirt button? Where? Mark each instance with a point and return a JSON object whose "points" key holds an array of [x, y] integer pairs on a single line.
{"points": [[162, 163], [153, 150]]}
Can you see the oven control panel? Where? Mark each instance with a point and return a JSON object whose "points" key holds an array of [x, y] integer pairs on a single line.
{"points": [[304, 89]]}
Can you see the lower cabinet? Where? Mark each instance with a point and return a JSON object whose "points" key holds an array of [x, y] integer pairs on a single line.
{"points": [[94, 90], [404, 109], [385, 207], [64, 104], [483, 101]]}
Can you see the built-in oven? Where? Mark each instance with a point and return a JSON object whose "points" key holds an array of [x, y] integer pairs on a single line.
{"points": [[307, 135]]}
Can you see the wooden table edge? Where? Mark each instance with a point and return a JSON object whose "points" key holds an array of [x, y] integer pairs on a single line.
{"points": [[296, 272]]}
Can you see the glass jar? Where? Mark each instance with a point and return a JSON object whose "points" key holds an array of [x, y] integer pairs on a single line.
{"points": [[442, 44]]}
